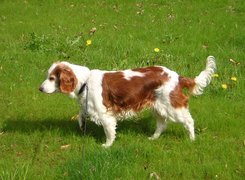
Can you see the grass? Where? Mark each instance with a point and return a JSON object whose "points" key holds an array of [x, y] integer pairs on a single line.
{"points": [[34, 127]]}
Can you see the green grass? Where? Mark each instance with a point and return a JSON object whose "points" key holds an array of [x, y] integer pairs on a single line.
{"points": [[34, 126]]}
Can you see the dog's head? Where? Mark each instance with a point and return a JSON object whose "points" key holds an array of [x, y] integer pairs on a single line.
{"points": [[61, 78]]}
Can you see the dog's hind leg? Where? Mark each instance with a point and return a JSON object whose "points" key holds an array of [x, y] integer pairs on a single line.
{"points": [[183, 116], [161, 124], [189, 125]]}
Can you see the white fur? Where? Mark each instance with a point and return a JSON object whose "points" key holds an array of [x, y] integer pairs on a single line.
{"points": [[49, 86], [204, 78], [128, 74], [162, 107]]}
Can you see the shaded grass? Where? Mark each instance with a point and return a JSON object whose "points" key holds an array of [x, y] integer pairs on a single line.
{"points": [[35, 126]]}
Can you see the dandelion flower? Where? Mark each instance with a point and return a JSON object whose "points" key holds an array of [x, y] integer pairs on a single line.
{"points": [[215, 75], [224, 86], [233, 78], [156, 49], [88, 42]]}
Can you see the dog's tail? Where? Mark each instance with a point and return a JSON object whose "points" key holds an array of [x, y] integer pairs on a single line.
{"points": [[197, 85]]}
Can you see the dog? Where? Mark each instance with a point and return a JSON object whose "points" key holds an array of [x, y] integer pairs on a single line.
{"points": [[109, 96]]}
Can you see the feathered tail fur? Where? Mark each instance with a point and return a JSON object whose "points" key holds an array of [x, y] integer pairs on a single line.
{"points": [[204, 78], [197, 85]]}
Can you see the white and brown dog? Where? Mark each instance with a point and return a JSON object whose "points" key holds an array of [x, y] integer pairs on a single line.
{"points": [[113, 95]]}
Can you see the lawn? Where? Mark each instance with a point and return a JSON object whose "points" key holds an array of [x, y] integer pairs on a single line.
{"points": [[39, 138]]}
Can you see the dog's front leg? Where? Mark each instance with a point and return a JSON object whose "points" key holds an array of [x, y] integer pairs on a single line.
{"points": [[109, 125]]}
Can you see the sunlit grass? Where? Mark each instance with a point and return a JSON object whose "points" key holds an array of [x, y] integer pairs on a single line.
{"points": [[38, 137]]}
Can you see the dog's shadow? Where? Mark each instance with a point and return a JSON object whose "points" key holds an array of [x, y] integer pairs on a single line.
{"points": [[67, 127]]}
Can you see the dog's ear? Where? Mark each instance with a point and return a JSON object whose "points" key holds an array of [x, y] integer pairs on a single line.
{"points": [[68, 80]]}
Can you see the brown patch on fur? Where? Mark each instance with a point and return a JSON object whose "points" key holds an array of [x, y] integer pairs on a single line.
{"points": [[186, 82], [177, 98], [121, 95], [150, 69], [66, 78]]}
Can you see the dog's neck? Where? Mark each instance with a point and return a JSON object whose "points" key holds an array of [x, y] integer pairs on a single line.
{"points": [[78, 92]]}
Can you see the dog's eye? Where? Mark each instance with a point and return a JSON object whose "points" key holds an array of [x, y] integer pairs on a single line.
{"points": [[51, 78]]}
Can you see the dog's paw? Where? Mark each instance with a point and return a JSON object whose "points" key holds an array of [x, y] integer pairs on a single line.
{"points": [[152, 138], [106, 145], [192, 138]]}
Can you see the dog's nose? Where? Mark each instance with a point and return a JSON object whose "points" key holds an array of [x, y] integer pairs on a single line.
{"points": [[41, 89]]}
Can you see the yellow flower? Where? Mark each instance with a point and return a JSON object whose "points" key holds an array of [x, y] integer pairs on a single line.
{"points": [[233, 78], [88, 42], [215, 75], [224, 86], [156, 49]]}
